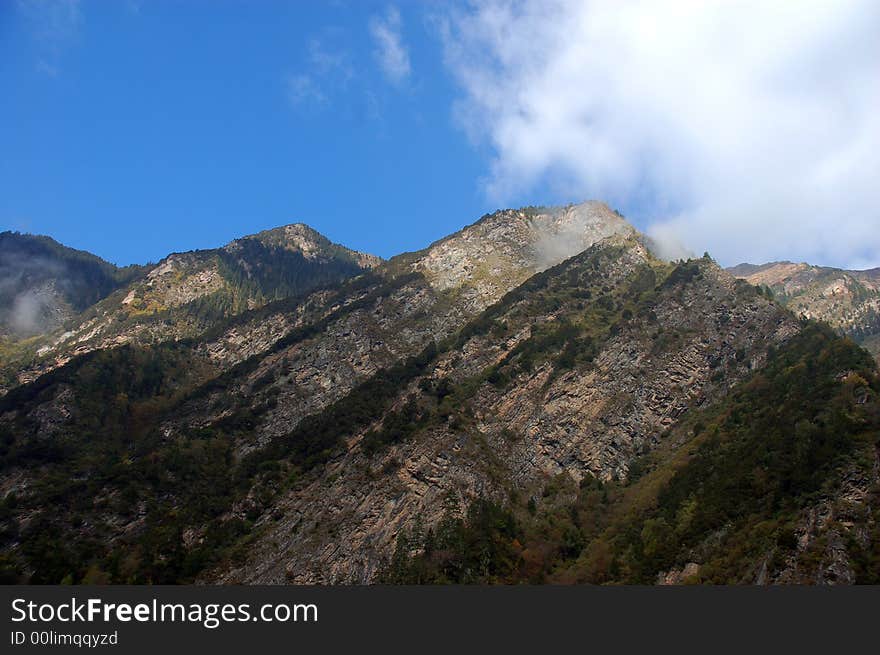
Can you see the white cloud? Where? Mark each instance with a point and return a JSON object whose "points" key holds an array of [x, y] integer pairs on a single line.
{"points": [[750, 129], [391, 52]]}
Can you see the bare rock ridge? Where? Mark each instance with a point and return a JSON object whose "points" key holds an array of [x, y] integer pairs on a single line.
{"points": [[414, 300], [488, 258], [311, 244], [542, 423]]}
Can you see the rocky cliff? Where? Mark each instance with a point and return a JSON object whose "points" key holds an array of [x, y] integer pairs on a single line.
{"points": [[574, 378], [534, 398]]}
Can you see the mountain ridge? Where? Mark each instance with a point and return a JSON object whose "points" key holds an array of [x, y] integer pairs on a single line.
{"points": [[186, 292], [488, 409], [847, 300], [43, 281]]}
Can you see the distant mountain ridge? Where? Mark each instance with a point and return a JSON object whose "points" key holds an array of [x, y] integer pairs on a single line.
{"points": [[185, 293], [43, 283], [847, 300]]}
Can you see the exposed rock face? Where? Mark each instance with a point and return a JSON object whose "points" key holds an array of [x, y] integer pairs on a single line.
{"points": [[679, 576], [297, 440], [829, 527], [592, 420], [487, 259], [416, 299], [846, 300], [300, 238]]}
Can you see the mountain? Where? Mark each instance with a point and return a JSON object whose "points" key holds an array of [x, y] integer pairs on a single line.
{"points": [[186, 293], [535, 398], [847, 300], [43, 284]]}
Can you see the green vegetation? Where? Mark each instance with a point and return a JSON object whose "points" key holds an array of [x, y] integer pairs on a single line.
{"points": [[110, 459], [86, 278], [112, 498], [729, 498], [481, 548], [61, 278], [397, 426], [271, 272]]}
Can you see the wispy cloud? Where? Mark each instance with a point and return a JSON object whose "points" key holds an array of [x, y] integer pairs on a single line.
{"points": [[329, 61], [391, 52], [327, 69], [330, 77], [750, 129], [55, 25], [303, 91]]}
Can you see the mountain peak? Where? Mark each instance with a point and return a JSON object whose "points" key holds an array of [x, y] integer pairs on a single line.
{"points": [[311, 244], [501, 250]]}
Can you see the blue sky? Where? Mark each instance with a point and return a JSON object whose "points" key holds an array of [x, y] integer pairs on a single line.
{"points": [[132, 128]]}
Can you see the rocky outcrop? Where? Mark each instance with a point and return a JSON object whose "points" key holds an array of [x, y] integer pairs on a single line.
{"points": [[827, 529], [487, 259]]}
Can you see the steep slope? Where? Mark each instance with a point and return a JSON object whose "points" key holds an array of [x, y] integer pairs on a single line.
{"points": [[43, 284], [480, 411], [187, 293], [577, 373], [414, 300], [341, 338], [847, 300], [778, 482]]}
